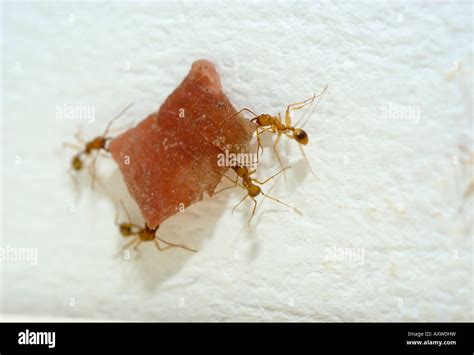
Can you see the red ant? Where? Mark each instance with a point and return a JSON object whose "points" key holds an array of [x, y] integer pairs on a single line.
{"points": [[93, 146], [269, 123], [143, 234], [253, 190]]}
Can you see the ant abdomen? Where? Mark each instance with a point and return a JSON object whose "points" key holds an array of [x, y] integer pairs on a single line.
{"points": [[76, 163], [300, 136], [126, 229], [254, 190]]}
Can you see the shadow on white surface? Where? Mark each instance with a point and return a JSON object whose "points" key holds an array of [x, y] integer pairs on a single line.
{"points": [[153, 267]]}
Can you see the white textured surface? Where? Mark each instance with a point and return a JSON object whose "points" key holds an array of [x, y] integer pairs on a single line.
{"points": [[386, 186]]}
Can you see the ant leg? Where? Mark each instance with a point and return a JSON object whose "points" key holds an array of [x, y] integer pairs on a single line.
{"points": [[296, 106], [116, 117], [236, 183], [318, 96], [276, 152], [259, 142], [126, 211], [121, 128], [307, 161], [242, 200], [72, 145], [138, 243], [130, 243], [77, 135], [244, 109], [301, 104], [228, 187], [253, 210], [92, 170], [161, 248], [128, 215], [271, 177], [283, 203], [259, 131], [174, 245], [116, 219], [225, 188]]}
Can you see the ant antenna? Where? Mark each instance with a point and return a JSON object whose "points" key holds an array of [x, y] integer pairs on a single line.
{"points": [[126, 211], [307, 162], [312, 106], [115, 118]]}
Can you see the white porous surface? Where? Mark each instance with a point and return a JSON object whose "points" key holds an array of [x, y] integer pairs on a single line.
{"points": [[386, 233]]}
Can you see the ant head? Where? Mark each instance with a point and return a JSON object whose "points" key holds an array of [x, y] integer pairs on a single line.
{"points": [[264, 119], [300, 136], [253, 190], [76, 162]]}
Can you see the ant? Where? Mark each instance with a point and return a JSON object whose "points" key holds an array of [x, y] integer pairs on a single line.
{"points": [[93, 146], [269, 123], [249, 183], [253, 190], [143, 234]]}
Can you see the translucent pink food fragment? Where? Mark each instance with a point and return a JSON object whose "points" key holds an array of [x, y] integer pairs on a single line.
{"points": [[170, 158]]}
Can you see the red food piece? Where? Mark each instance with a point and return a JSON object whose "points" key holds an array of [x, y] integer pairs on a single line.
{"points": [[170, 158]]}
